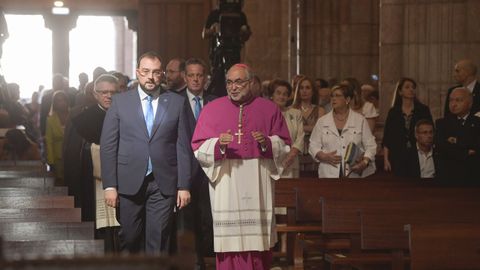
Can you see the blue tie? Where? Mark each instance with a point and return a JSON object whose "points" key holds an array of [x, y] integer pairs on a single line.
{"points": [[149, 123], [198, 107]]}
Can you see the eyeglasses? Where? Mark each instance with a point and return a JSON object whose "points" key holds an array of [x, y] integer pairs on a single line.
{"points": [[106, 92], [237, 83], [147, 72]]}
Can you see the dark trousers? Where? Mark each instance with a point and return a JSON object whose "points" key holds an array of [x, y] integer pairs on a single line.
{"points": [[201, 213], [145, 219]]}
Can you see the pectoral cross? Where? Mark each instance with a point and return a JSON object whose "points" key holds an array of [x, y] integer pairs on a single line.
{"points": [[239, 133]]}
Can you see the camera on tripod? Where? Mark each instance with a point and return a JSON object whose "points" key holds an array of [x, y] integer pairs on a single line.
{"points": [[228, 30]]}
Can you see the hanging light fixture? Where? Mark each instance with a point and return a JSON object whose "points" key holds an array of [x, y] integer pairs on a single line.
{"points": [[59, 8]]}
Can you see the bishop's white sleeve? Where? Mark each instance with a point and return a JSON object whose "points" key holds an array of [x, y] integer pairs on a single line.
{"points": [[205, 155]]}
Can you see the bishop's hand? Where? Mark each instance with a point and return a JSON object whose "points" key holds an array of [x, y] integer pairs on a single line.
{"points": [[225, 138], [260, 138]]}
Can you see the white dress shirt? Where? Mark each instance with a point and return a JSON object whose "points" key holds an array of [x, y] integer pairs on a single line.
{"points": [[144, 101], [427, 166], [191, 99]]}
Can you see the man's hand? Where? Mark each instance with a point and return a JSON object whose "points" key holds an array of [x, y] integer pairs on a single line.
{"points": [[225, 138], [111, 197], [260, 138], [183, 198]]}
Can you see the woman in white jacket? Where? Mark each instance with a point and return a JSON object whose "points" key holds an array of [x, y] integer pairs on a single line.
{"points": [[336, 133]]}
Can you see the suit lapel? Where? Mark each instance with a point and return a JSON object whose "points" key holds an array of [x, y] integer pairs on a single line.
{"points": [[162, 109], [139, 115]]}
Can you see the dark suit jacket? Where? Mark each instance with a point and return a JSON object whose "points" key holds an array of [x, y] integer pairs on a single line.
{"points": [[126, 145], [454, 163], [476, 100], [396, 137], [197, 171]]}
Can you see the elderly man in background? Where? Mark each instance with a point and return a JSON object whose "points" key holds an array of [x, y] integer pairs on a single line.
{"points": [[457, 140]]}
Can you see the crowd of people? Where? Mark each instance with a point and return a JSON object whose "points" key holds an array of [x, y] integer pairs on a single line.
{"points": [[152, 146]]}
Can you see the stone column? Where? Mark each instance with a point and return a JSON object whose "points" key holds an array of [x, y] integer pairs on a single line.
{"points": [[60, 26], [391, 51]]}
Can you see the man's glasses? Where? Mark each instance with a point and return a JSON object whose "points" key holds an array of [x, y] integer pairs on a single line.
{"points": [[237, 83], [147, 72]]}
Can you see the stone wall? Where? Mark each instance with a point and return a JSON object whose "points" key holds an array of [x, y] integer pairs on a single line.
{"points": [[423, 40]]}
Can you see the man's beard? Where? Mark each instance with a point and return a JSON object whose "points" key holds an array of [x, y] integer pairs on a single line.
{"points": [[155, 89], [174, 85]]}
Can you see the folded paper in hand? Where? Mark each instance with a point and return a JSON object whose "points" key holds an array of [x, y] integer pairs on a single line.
{"points": [[352, 154]]}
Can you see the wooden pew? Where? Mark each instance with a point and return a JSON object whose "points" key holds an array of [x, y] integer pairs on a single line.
{"points": [[382, 229], [341, 216], [9, 173], [107, 262], [37, 202], [35, 231], [28, 182], [23, 192], [346, 225], [38, 219], [298, 222], [40, 215], [444, 246], [313, 189], [15, 250]]}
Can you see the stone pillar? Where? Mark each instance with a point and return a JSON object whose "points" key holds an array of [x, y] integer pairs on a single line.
{"points": [[391, 51], [60, 26]]}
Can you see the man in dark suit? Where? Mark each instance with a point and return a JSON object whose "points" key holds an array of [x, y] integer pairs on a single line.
{"points": [[420, 162], [199, 211], [146, 159], [465, 74], [457, 140]]}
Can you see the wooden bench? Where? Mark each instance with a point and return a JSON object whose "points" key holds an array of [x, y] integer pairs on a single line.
{"points": [[15, 250], [28, 182], [56, 201], [35, 231], [8, 173], [22, 192], [311, 192], [444, 246], [38, 219], [104, 262], [375, 228], [41, 215], [298, 222]]}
